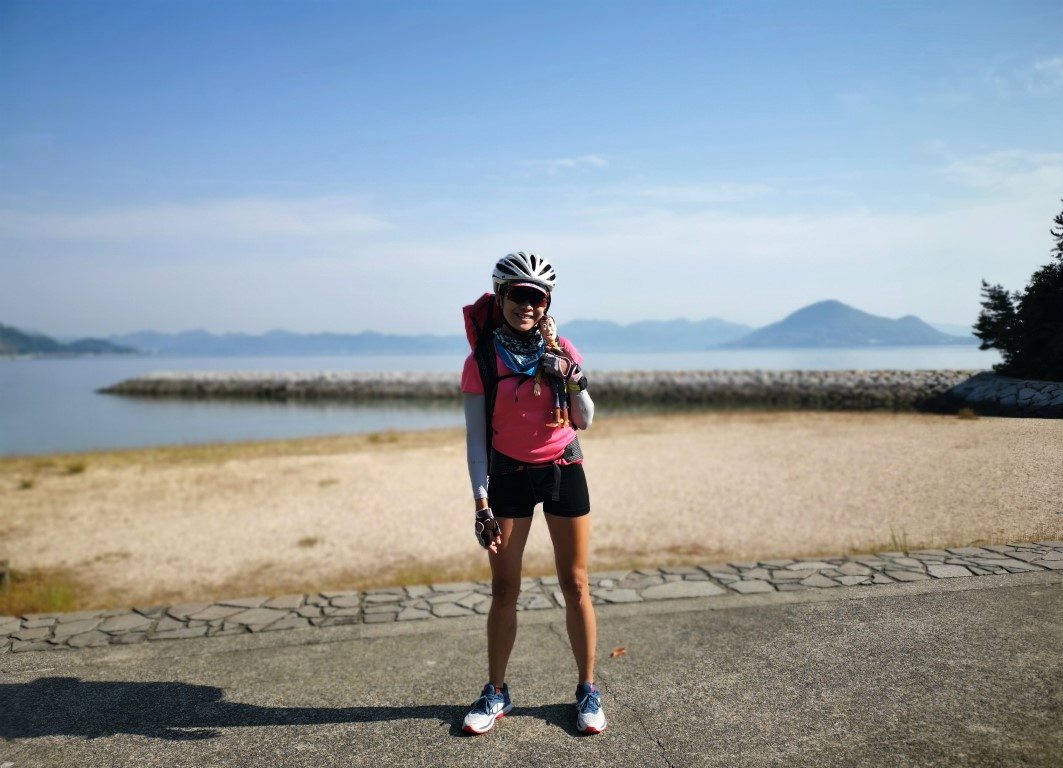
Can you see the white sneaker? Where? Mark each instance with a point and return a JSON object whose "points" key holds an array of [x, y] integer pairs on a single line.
{"points": [[589, 715], [491, 705]]}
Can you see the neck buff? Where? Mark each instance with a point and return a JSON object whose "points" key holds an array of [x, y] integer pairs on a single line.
{"points": [[519, 355]]}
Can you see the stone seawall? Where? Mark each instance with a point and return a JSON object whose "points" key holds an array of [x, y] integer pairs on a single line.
{"points": [[243, 385], [942, 391], [993, 395]]}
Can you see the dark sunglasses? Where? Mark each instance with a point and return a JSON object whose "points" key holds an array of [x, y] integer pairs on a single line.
{"points": [[527, 296]]}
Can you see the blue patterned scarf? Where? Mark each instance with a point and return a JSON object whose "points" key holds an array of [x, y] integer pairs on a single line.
{"points": [[520, 355]]}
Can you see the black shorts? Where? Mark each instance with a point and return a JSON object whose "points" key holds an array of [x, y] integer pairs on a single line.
{"points": [[515, 494]]}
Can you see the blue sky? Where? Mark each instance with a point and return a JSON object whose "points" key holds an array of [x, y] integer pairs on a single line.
{"points": [[347, 166]]}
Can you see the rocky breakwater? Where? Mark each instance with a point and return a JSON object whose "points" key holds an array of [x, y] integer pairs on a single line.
{"points": [[243, 385], [829, 390], [821, 390]]}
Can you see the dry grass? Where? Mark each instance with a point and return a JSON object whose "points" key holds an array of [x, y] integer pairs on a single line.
{"points": [[54, 590], [439, 572], [58, 590], [378, 438]]}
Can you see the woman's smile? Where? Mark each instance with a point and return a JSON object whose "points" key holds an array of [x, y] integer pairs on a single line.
{"points": [[523, 316]]}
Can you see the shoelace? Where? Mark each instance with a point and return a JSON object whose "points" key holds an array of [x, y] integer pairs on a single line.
{"points": [[588, 703], [483, 704]]}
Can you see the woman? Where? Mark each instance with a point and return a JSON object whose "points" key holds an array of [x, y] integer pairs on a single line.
{"points": [[529, 462]]}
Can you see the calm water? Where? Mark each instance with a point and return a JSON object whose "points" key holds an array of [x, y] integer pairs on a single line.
{"points": [[51, 405]]}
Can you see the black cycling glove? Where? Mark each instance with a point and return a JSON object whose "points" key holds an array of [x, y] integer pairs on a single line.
{"points": [[486, 528]]}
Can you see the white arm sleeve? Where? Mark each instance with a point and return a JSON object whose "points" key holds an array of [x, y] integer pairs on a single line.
{"points": [[581, 409], [476, 443]]}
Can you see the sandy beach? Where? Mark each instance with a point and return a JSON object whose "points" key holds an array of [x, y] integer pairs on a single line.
{"points": [[186, 523]]}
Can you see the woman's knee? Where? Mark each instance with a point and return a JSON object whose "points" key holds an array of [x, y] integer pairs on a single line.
{"points": [[574, 586], [505, 590]]}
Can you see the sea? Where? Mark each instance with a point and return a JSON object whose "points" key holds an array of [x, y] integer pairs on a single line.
{"points": [[51, 405]]}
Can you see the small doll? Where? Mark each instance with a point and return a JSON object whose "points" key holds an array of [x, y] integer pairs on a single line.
{"points": [[555, 364]]}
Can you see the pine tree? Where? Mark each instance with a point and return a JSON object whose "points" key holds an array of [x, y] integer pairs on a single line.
{"points": [[1027, 327]]}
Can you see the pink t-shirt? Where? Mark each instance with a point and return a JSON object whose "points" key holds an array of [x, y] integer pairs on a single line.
{"points": [[520, 418]]}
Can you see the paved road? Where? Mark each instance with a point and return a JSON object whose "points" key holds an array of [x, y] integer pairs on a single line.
{"points": [[950, 672]]}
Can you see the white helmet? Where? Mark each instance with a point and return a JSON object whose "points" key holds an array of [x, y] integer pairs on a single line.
{"points": [[522, 268]]}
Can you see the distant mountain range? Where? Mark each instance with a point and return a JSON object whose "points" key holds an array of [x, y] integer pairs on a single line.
{"points": [[284, 343], [824, 324], [833, 324], [16, 342]]}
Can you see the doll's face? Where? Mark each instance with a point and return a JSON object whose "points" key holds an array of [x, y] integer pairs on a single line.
{"points": [[548, 328]]}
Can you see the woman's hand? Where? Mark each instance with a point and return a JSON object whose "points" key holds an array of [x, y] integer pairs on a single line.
{"points": [[487, 531]]}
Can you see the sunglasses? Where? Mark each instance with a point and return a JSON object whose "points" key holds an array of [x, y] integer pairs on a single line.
{"points": [[527, 296]]}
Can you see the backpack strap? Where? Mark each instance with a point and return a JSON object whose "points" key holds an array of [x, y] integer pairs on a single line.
{"points": [[480, 322], [485, 361]]}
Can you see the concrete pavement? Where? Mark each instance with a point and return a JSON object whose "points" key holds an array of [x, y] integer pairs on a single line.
{"points": [[942, 671]]}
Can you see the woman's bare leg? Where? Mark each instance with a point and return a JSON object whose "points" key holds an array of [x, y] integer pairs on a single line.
{"points": [[571, 538], [505, 588]]}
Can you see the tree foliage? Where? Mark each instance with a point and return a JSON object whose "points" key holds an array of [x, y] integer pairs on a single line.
{"points": [[1027, 326]]}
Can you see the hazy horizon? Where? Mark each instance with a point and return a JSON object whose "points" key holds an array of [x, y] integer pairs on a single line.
{"points": [[950, 328]]}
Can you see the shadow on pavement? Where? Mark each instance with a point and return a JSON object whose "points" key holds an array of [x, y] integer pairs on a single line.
{"points": [[67, 706]]}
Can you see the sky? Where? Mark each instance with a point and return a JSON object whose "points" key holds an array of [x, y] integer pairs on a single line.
{"points": [[343, 166]]}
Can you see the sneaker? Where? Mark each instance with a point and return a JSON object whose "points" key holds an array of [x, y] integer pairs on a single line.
{"points": [[589, 715], [491, 705]]}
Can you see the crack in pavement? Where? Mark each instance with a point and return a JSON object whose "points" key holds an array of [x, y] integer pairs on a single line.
{"points": [[606, 687], [555, 628]]}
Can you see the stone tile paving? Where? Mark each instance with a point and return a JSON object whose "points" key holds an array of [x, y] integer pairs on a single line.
{"points": [[37, 632]]}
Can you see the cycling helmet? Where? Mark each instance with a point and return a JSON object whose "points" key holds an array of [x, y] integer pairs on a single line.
{"points": [[522, 268]]}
